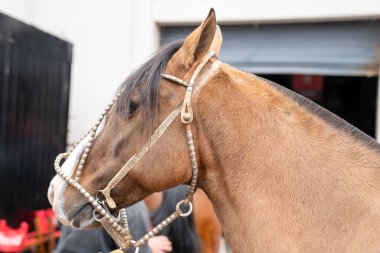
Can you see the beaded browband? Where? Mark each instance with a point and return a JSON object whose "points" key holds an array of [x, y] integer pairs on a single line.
{"points": [[117, 227]]}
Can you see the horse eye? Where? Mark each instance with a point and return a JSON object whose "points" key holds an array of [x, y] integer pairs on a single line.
{"points": [[133, 106]]}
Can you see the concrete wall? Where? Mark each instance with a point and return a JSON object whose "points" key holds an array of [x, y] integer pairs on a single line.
{"points": [[112, 37]]}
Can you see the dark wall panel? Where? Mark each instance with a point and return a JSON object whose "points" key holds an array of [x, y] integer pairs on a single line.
{"points": [[34, 93]]}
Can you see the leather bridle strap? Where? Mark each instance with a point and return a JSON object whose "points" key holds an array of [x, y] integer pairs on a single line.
{"points": [[136, 158], [186, 117]]}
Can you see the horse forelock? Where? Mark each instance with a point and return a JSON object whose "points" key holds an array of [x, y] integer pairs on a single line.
{"points": [[144, 83]]}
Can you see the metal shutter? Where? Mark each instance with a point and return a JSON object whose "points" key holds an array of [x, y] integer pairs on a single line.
{"points": [[336, 48]]}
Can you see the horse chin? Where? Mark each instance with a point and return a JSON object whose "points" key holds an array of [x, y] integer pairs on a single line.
{"points": [[84, 219]]}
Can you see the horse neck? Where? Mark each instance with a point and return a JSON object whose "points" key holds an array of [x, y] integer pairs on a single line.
{"points": [[266, 158]]}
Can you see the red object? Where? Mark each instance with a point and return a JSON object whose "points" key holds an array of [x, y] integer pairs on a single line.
{"points": [[308, 85], [17, 240], [12, 240], [45, 219]]}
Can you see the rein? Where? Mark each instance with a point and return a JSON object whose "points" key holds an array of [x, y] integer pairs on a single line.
{"points": [[117, 227]]}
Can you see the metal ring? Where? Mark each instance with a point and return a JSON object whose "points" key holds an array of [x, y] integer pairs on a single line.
{"points": [[182, 214], [94, 215], [117, 216], [97, 197], [102, 202]]}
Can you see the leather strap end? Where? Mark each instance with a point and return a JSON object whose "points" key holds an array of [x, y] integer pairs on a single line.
{"points": [[186, 112], [107, 194]]}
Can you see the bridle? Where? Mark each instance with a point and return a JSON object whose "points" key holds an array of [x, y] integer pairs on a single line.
{"points": [[117, 227]]}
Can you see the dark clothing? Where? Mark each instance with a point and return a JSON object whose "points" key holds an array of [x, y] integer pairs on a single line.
{"points": [[181, 232], [94, 241]]}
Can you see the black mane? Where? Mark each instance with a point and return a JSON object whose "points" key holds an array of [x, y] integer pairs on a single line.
{"points": [[145, 81]]}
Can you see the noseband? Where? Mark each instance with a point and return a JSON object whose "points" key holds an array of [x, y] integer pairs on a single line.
{"points": [[118, 227]]}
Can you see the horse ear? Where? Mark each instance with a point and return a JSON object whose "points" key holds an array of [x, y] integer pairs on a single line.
{"points": [[205, 35], [204, 38]]}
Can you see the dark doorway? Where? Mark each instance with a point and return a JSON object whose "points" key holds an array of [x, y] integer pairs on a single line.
{"points": [[34, 93], [351, 98]]}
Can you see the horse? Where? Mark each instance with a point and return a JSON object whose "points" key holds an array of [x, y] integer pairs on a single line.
{"points": [[283, 174]]}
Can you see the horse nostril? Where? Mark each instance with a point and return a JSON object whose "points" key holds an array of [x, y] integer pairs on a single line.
{"points": [[51, 194]]}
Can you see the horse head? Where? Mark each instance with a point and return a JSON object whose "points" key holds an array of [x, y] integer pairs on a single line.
{"points": [[143, 103]]}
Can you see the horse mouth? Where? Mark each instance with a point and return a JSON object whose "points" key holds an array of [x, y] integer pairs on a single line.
{"points": [[83, 218]]}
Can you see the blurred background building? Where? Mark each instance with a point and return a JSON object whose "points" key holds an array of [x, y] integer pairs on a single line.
{"points": [[327, 50]]}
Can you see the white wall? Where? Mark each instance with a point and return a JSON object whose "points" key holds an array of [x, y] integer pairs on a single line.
{"points": [[248, 11], [112, 37], [100, 34]]}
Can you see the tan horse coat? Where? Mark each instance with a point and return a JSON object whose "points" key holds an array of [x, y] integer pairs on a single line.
{"points": [[281, 178]]}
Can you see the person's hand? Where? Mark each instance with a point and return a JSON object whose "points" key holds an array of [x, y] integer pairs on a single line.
{"points": [[160, 244]]}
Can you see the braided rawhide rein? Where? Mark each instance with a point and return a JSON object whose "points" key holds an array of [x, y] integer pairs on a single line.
{"points": [[121, 233]]}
